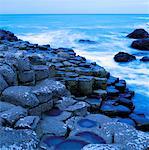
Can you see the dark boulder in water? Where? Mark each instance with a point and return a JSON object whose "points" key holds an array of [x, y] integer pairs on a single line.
{"points": [[142, 44], [138, 34], [7, 35], [83, 41], [124, 57], [145, 59]]}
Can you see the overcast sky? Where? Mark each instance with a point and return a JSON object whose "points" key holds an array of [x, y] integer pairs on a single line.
{"points": [[74, 6]]}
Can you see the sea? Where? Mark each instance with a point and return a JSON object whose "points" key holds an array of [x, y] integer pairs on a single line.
{"points": [[109, 31]]}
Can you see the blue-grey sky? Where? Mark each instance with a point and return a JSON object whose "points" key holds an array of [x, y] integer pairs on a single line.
{"points": [[74, 6]]}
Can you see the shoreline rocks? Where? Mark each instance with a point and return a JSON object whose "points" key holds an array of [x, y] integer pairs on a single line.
{"points": [[124, 57], [53, 94]]}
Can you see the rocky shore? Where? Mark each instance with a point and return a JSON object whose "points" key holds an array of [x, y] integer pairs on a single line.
{"points": [[53, 99]]}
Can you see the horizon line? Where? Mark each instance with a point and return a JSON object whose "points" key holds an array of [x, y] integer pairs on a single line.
{"points": [[73, 14]]}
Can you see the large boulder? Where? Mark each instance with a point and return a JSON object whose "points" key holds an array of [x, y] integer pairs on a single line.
{"points": [[142, 44], [124, 57], [138, 34], [145, 59], [20, 95]]}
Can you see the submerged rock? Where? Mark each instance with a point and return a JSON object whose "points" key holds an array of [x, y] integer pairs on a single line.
{"points": [[145, 59], [124, 57], [83, 41], [142, 44], [138, 34]]}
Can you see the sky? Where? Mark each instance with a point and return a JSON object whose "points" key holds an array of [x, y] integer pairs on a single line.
{"points": [[74, 6]]}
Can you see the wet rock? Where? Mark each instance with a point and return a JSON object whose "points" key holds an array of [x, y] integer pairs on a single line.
{"points": [[63, 55], [112, 80], [36, 60], [79, 109], [124, 57], [86, 41], [119, 110], [120, 86], [142, 122], [20, 139], [138, 34], [101, 93], [28, 122], [112, 92], [23, 64], [20, 95], [142, 44], [145, 59], [12, 115], [41, 72]]}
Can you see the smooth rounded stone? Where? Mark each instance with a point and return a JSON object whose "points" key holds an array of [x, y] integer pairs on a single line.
{"points": [[112, 80], [103, 147], [53, 126], [127, 121], [101, 93], [28, 122], [71, 143], [86, 41], [3, 84], [23, 139], [138, 34], [120, 86], [57, 114], [57, 88], [79, 109], [65, 102], [9, 75], [123, 57], [4, 106], [142, 44], [49, 142], [20, 95], [112, 92], [23, 64], [100, 83], [119, 110], [142, 122], [12, 115], [41, 72], [72, 85], [126, 102], [145, 59], [86, 85], [90, 137], [26, 77]]}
